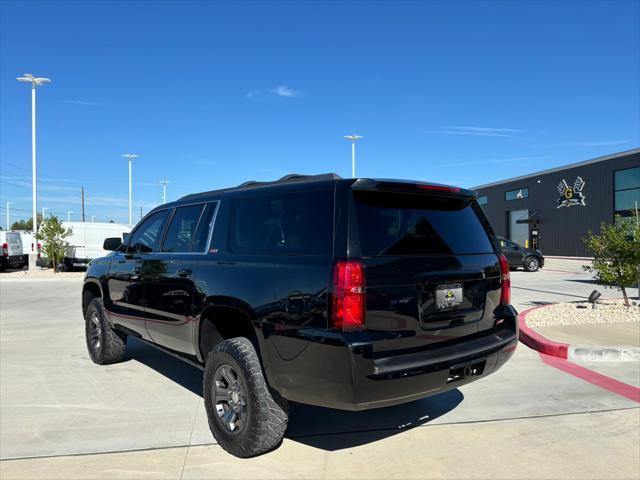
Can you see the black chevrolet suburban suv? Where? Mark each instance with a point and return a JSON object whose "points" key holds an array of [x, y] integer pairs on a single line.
{"points": [[344, 293]]}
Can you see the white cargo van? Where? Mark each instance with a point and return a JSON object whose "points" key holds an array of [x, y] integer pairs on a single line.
{"points": [[12, 256], [86, 239], [85, 242]]}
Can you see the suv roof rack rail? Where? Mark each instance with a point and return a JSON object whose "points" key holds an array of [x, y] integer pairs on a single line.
{"points": [[290, 178]]}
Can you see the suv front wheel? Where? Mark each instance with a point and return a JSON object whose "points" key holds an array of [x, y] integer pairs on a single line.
{"points": [[245, 416]]}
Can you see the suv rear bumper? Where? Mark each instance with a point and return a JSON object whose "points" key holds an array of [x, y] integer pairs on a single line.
{"points": [[338, 370]]}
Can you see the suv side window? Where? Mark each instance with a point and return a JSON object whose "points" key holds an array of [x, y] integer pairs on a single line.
{"points": [[294, 223], [182, 228], [204, 226], [146, 238]]}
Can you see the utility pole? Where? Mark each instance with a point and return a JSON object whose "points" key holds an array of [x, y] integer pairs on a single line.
{"points": [[353, 138], [164, 189], [8, 221], [83, 204], [130, 157], [35, 82]]}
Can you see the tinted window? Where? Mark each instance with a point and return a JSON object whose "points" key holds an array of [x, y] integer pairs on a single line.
{"points": [[516, 194], [394, 224], [182, 229], [629, 178], [202, 232], [147, 236], [298, 223], [482, 200], [627, 199], [627, 191]]}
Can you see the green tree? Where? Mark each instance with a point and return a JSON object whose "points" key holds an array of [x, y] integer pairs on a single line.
{"points": [[616, 255], [26, 225], [52, 235]]}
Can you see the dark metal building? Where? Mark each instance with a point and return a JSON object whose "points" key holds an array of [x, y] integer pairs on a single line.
{"points": [[554, 209]]}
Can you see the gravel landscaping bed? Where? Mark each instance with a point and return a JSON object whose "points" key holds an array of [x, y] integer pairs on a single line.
{"points": [[572, 313]]}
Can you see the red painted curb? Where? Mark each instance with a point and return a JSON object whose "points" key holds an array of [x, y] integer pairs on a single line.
{"points": [[610, 384], [536, 341]]}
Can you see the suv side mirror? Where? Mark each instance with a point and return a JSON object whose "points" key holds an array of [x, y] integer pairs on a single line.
{"points": [[112, 244]]}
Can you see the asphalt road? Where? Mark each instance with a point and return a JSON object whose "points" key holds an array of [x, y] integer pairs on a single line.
{"points": [[61, 416]]}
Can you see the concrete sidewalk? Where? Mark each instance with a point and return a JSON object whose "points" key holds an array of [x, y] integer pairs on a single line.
{"points": [[600, 445]]}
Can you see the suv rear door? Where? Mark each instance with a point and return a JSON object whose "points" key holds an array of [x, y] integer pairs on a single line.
{"points": [[431, 269], [170, 274]]}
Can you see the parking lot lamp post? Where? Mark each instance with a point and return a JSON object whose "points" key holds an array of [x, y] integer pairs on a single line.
{"points": [[353, 138], [164, 189], [43, 210], [130, 157], [92, 217], [69, 212], [8, 221], [35, 82]]}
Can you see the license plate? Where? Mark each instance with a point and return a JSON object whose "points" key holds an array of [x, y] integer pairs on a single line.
{"points": [[448, 296]]}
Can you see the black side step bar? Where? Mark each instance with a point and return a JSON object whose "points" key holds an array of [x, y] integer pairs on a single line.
{"points": [[177, 355]]}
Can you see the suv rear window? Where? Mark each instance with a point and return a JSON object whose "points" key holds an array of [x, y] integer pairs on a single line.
{"points": [[403, 224], [295, 223]]}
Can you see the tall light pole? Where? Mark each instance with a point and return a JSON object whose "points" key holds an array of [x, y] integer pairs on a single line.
{"points": [[43, 210], [130, 157], [35, 82], [92, 217], [164, 189], [8, 221], [353, 138], [69, 212]]}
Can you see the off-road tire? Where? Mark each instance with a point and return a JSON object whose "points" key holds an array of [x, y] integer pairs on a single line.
{"points": [[111, 344], [266, 413], [531, 264]]}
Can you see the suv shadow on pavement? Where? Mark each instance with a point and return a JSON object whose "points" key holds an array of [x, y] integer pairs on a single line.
{"points": [[325, 428]]}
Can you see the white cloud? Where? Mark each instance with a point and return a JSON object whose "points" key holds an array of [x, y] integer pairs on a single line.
{"points": [[496, 161], [279, 91], [476, 131], [83, 102], [601, 143], [284, 91]]}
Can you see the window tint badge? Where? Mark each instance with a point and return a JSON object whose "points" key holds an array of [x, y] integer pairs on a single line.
{"points": [[448, 296]]}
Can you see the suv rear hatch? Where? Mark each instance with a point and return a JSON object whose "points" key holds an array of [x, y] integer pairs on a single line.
{"points": [[430, 267]]}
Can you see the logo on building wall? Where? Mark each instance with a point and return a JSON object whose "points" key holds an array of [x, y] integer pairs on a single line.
{"points": [[571, 195]]}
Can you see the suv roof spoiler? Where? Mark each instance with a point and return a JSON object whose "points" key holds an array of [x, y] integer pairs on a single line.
{"points": [[405, 186]]}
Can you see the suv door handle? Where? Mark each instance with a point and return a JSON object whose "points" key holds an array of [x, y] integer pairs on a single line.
{"points": [[185, 272]]}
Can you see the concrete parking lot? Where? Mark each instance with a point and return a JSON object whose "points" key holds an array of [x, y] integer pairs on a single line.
{"points": [[61, 416]]}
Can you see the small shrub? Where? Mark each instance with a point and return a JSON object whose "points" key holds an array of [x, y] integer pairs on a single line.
{"points": [[616, 255]]}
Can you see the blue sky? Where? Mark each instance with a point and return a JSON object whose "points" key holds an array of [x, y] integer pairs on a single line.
{"points": [[211, 94]]}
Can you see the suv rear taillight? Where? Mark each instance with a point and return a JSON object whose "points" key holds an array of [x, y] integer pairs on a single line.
{"points": [[348, 297], [5, 250], [505, 292]]}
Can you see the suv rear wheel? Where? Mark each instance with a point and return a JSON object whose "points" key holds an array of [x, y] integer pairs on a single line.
{"points": [[245, 417], [105, 345]]}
